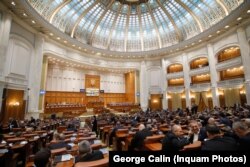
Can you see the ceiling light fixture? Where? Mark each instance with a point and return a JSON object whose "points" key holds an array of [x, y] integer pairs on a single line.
{"points": [[24, 14], [13, 3], [33, 22], [239, 18], [227, 26], [218, 32]]}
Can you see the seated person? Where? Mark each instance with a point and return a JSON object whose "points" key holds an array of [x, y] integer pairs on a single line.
{"points": [[196, 133], [174, 140], [59, 143], [86, 153], [216, 141], [243, 132], [42, 158], [138, 140]]}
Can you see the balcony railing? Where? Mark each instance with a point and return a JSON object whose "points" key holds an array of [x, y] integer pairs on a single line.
{"points": [[200, 87], [175, 89], [232, 83], [197, 71], [229, 64], [175, 75]]}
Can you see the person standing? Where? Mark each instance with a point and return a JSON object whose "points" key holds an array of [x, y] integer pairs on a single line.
{"points": [[94, 125]]}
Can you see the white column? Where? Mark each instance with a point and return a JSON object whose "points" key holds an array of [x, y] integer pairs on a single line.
{"points": [[4, 40], [164, 85], [35, 75], [143, 87], [245, 55], [213, 75], [187, 80]]}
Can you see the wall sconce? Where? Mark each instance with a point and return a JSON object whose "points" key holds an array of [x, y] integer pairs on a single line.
{"points": [[209, 96], [155, 101], [169, 97], [242, 92], [16, 103], [192, 97], [183, 96]]}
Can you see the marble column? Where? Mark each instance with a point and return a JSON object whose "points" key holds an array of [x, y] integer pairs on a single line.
{"points": [[213, 75], [245, 55], [187, 80], [143, 87], [35, 75], [5, 26], [164, 85]]}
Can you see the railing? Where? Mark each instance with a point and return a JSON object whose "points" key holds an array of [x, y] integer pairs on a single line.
{"points": [[175, 75], [232, 83], [200, 87], [198, 71], [175, 89], [229, 64]]}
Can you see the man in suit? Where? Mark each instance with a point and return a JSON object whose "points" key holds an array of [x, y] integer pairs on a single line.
{"points": [[243, 132], [217, 142], [59, 143], [197, 133], [138, 140], [86, 153], [174, 140], [42, 158]]}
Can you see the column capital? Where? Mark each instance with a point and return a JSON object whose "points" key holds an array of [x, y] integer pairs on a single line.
{"points": [[240, 29]]}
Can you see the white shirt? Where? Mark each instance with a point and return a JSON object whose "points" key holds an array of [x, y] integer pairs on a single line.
{"points": [[196, 136]]}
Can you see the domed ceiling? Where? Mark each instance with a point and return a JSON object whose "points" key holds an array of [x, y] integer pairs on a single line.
{"points": [[133, 25]]}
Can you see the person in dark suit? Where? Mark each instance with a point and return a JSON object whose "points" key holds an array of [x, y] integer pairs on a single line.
{"points": [[243, 132], [59, 143], [86, 153], [42, 158], [13, 123], [94, 125], [112, 134], [196, 133], [174, 140], [138, 140], [217, 142]]}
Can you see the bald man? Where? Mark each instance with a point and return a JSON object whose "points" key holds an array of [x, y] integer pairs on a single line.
{"points": [[174, 140]]}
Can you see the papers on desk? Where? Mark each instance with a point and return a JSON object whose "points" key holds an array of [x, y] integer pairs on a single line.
{"points": [[36, 137], [24, 142], [3, 151], [66, 157], [104, 150], [71, 144], [72, 138], [97, 142], [61, 158]]}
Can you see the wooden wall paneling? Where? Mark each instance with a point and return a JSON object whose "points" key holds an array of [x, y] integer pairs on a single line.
{"points": [[156, 101], [14, 105], [92, 81], [130, 87]]}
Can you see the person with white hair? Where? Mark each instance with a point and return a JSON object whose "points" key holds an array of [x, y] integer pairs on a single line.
{"points": [[174, 140], [86, 153], [137, 142], [243, 132]]}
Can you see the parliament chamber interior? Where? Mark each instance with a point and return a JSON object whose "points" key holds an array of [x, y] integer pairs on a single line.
{"points": [[81, 78]]}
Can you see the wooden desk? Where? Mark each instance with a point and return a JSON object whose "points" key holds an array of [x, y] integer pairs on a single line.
{"points": [[153, 146], [70, 163], [194, 146]]}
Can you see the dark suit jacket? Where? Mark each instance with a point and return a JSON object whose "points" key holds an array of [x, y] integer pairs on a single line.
{"points": [[201, 136], [220, 144], [244, 143], [95, 155], [138, 140], [58, 145], [173, 144]]}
